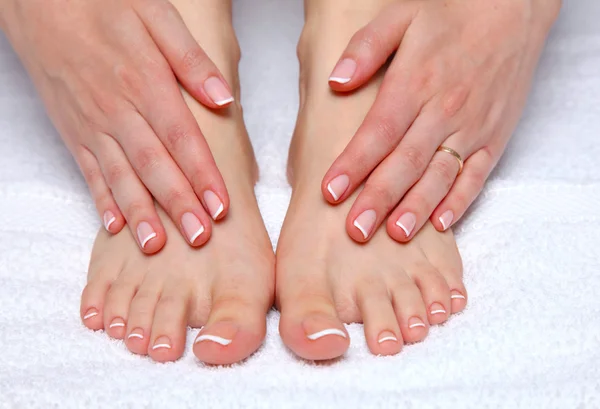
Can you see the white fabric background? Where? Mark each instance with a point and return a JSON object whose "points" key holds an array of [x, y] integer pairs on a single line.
{"points": [[529, 338]]}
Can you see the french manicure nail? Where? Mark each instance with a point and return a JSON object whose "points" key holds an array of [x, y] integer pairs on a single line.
{"points": [[415, 322], [117, 322], [387, 336], [191, 226], [337, 187], [108, 218], [213, 338], [214, 204], [136, 333], [407, 223], [325, 332], [145, 233], [343, 71], [365, 222], [92, 312], [162, 343], [437, 308], [217, 91], [446, 219]]}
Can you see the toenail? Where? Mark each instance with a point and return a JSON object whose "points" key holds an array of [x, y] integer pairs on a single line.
{"points": [[92, 312], [365, 222], [213, 338], [325, 332], [162, 342], [386, 336], [136, 333], [213, 203], [407, 223], [191, 226], [437, 308], [456, 295], [145, 233], [117, 322], [446, 219], [109, 218], [415, 322], [338, 186]]}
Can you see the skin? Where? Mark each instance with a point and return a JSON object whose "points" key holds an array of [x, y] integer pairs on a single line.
{"points": [[108, 73], [459, 77]]}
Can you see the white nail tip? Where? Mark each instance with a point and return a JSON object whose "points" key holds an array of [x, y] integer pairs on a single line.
{"points": [[213, 338], [442, 222], [224, 101], [403, 228], [455, 296], [147, 239], [418, 324], [91, 314], [340, 80], [218, 212], [140, 336], [335, 197], [116, 324], [197, 234], [384, 339], [109, 223], [438, 312], [158, 346], [359, 227], [325, 332]]}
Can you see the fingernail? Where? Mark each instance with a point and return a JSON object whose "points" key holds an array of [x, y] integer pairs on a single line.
{"points": [[217, 91], [162, 343], [455, 295], [214, 204], [407, 223], [415, 322], [337, 187], [136, 333], [109, 218], [317, 327], [343, 71], [226, 333], [365, 222], [446, 219], [191, 226], [145, 233], [92, 312], [386, 336], [437, 308], [116, 323]]}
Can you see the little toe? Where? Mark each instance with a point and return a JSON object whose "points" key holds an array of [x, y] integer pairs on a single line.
{"points": [[410, 310], [434, 291], [92, 302], [141, 316], [381, 327], [116, 306], [167, 339]]}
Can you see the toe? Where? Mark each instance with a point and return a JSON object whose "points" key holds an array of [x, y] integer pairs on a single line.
{"points": [[141, 316], [410, 309], [167, 339], [92, 303], [116, 306], [381, 327], [434, 291]]}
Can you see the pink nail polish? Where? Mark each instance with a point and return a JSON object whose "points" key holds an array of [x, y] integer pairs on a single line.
{"points": [[337, 187], [217, 91], [407, 223], [191, 226], [145, 233], [108, 218], [343, 71], [213, 203], [446, 219], [365, 222]]}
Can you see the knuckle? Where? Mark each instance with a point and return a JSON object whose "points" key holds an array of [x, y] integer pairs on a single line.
{"points": [[193, 59], [385, 131], [461, 201], [173, 198], [146, 158], [419, 202], [369, 39], [133, 210], [444, 171], [128, 79], [176, 135], [115, 172], [454, 101], [381, 194], [415, 159]]}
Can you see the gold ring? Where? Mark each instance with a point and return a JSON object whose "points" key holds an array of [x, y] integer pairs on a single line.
{"points": [[455, 154]]}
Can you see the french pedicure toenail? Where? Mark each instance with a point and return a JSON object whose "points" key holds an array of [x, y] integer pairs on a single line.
{"points": [[162, 343], [386, 336], [325, 332], [338, 186], [446, 219], [108, 218], [407, 223], [365, 222], [437, 308], [145, 233], [136, 333], [92, 312], [343, 71], [191, 226], [415, 322], [217, 91], [455, 295], [214, 204], [213, 338], [117, 323]]}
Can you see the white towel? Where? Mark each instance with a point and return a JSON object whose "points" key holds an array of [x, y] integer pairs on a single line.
{"points": [[529, 338]]}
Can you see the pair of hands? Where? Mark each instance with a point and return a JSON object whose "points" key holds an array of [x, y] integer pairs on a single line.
{"points": [[108, 72]]}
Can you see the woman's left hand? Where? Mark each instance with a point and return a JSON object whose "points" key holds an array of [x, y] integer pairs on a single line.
{"points": [[459, 78]]}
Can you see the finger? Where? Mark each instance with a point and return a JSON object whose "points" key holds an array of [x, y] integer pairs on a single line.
{"points": [[109, 212], [194, 69], [371, 46], [418, 204], [159, 173], [465, 190], [393, 177], [130, 194]]}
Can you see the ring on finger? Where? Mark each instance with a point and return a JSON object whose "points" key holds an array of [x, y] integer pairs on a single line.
{"points": [[456, 155]]}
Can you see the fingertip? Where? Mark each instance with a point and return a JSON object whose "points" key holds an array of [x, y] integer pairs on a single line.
{"points": [[151, 237]]}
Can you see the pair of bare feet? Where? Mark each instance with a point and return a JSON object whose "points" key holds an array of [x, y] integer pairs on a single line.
{"points": [[322, 278]]}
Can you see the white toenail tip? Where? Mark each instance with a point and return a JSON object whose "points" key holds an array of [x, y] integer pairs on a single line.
{"points": [[359, 227], [158, 346], [339, 80], [403, 228], [197, 234], [335, 197], [90, 315], [147, 239], [213, 338], [438, 312], [419, 324], [140, 336], [224, 101], [462, 297], [325, 332], [116, 324], [218, 212], [384, 339], [109, 223]]}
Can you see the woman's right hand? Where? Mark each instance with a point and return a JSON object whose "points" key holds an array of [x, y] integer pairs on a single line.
{"points": [[108, 71]]}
